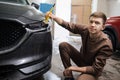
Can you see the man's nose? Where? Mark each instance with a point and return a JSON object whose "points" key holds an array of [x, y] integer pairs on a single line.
{"points": [[93, 24]]}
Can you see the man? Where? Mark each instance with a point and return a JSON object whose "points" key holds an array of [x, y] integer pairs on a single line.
{"points": [[96, 48]]}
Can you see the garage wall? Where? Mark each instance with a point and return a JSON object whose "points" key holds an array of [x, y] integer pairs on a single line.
{"points": [[114, 8], [103, 6], [100, 5], [109, 7], [63, 10]]}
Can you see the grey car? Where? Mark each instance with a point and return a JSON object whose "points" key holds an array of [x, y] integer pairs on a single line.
{"points": [[25, 41]]}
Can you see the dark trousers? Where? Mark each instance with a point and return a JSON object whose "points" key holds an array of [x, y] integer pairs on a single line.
{"points": [[67, 53]]}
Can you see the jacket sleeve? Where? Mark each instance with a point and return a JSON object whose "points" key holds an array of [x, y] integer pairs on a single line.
{"points": [[100, 61], [74, 28]]}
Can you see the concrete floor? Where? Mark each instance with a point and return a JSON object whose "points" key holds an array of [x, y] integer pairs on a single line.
{"points": [[111, 70]]}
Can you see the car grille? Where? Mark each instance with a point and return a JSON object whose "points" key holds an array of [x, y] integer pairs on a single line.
{"points": [[11, 32]]}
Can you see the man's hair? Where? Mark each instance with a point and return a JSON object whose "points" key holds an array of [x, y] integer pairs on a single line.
{"points": [[99, 15]]}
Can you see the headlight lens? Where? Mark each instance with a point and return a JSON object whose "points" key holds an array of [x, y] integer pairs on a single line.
{"points": [[36, 25]]}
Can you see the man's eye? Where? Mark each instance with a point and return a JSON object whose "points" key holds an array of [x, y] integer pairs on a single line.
{"points": [[91, 21], [97, 22]]}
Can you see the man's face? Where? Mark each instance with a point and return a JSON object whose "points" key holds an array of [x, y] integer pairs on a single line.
{"points": [[96, 25]]}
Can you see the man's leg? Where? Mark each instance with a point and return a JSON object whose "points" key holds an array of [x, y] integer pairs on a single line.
{"points": [[86, 77], [68, 52]]}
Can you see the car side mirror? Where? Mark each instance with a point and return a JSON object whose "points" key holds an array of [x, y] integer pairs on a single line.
{"points": [[35, 5]]}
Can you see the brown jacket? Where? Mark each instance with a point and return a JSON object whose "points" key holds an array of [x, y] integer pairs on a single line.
{"points": [[95, 51]]}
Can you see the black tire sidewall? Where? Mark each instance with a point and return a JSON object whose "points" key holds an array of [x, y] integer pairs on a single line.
{"points": [[112, 38]]}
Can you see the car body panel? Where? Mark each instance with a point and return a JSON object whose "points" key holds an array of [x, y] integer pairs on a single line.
{"points": [[23, 13]]}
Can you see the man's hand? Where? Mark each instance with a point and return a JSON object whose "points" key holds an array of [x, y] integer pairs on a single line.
{"points": [[47, 16], [72, 68], [75, 68], [67, 73], [52, 16]]}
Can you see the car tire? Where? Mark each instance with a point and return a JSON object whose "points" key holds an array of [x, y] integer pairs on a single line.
{"points": [[112, 38]]}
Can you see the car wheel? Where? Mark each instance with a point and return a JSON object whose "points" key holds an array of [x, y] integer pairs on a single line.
{"points": [[112, 38]]}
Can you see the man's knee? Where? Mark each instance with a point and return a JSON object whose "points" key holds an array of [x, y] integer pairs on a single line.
{"points": [[63, 44], [86, 77]]}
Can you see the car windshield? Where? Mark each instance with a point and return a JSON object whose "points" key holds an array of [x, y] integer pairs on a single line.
{"points": [[16, 1]]}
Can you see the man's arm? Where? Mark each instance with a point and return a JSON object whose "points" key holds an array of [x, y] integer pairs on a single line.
{"points": [[77, 69], [74, 28]]}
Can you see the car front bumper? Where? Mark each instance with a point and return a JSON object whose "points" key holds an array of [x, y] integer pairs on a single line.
{"points": [[30, 59]]}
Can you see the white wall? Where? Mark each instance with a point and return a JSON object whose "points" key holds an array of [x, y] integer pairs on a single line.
{"points": [[114, 8], [100, 5], [103, 6], [94, 5], [109, 7], [63, 10]]}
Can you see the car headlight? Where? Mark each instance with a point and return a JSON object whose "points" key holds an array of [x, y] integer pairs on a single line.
{"points": [[37, 25]]}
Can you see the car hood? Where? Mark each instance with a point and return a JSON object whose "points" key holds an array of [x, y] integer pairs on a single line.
{"points": [[23, 13]]}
